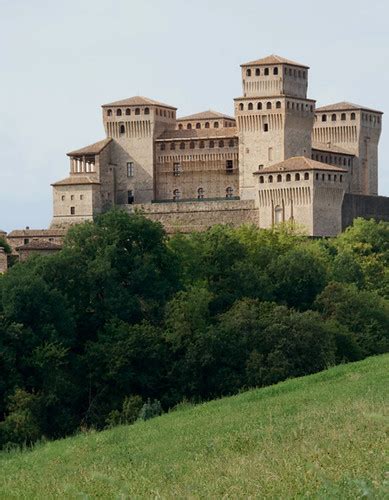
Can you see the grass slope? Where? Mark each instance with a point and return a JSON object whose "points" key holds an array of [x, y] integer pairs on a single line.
{"points": [[320, 436]]}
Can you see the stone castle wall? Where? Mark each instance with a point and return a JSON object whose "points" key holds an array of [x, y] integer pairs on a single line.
{"points": [[368, 207], [186, 217]]}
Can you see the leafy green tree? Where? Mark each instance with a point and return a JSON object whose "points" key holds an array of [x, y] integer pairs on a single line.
{"points": [[298, 277], [364, 313]]}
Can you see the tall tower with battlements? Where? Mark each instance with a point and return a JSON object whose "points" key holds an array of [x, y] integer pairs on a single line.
{"points": [[357, 130], [274, 117], [135, 123]]}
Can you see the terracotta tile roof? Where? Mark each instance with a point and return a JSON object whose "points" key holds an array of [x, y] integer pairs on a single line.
{"points": [[345, 106], [205, 115], [76, 180], [199, 133], [39, 245], [30, 233], [299, 163], [138, 100], [92, 149], [322, 146], [273, 59]]}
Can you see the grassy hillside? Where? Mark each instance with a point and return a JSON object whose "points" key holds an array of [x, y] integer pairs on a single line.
{"points": [[321, 436]]}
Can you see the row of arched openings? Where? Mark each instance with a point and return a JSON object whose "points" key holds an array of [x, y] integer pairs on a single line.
{"points": [[201, 192]]}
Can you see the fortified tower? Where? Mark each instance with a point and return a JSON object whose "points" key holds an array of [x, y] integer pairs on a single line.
{"points": [[134, 123], [356, 129], [274, 117]]}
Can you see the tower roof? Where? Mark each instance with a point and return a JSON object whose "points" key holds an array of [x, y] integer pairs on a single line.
{"points": [[92, 149], [76, 180], [345, 106], [138, 100], [206, 115], [296, 163], [273, 59]]}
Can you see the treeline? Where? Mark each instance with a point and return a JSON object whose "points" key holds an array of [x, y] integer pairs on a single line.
{"points": [[125, 322]]}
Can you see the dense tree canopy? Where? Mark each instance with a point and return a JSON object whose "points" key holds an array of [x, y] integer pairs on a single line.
{"points": [[124, 319]]}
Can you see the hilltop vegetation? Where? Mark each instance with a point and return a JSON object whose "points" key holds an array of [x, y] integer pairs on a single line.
{"points": [[124, 322], [321, 436]]}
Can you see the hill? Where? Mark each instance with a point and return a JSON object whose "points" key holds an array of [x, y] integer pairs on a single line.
{"points": [[322, 435]]}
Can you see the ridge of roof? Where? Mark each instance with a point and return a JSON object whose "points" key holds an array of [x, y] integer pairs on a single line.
{"points": [[91, 149], [39, 245], [204, 115], [273, 59], [344, 106], [200, 133], [138, 100], [331, 148], [76, 180], [299, 163]]}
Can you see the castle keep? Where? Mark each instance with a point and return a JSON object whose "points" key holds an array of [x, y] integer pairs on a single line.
{"points": [[279, 158]]}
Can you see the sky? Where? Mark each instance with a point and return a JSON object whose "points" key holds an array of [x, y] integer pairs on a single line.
{"points": [[60, 61]]}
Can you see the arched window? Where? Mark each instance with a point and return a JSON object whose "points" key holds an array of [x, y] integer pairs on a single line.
{"points": [[306, 176], [180, 126], [182, 145], [118, 112], [248, 72], [275, 71], [191, 145], [261, 179], [278, 104], [266, 71], [229, 192], [163, 147], [297, 177], [176, 195], [270, 178], [304, 75], [311, 108], [200, 193], [164, 112], [268, 105], [323, 118], [173, 146], [241, 106], [294, 73], [137, 111], [216, 125], [333, 117], [211, 144], [231, 143], [279, 178], [335, 177], [122, 129], [189, 126], [288, 178], [109, 112], [259, 105], [147, 111], [221, 144], [202, 144], [299, 73], [257, 72], [329, 177], [352, 116], [128, 111], [206, 124], [198, 125], [343, 116], [277, 214], [250, 106], [341, 178]]}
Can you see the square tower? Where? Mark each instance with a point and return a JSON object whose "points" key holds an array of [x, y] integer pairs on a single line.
{"points": [[274, 117]]}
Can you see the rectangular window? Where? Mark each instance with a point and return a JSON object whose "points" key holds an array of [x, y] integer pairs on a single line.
{"points": [[72, 210], [130, 169], [265, 127], [229, 166], [26, 241], [130, 197], [270, 154], [176, 169]]}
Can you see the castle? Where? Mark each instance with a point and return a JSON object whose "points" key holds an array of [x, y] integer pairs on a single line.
{"points": [[278, 159]]}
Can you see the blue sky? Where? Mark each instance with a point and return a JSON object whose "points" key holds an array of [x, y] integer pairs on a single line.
{"points": [[61, 60]]}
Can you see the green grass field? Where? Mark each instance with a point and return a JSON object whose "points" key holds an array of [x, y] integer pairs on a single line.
{"points": [[321, 436]]}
